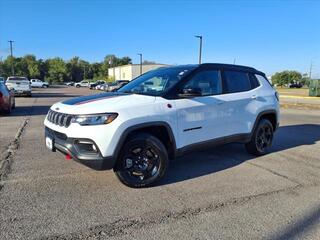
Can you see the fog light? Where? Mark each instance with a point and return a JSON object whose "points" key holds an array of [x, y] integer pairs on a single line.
{"points": [[85, 146]]}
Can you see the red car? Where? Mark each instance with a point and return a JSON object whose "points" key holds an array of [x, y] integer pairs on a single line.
{"points": [[7, 101]]}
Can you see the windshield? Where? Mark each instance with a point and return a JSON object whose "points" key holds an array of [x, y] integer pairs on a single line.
{"points": [[156, 82]]}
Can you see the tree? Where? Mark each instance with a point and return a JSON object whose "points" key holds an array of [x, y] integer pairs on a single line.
{"points": [[286, 77], [74, 72], [57, 70], [33, 70], [96, 69], [43, 69]]}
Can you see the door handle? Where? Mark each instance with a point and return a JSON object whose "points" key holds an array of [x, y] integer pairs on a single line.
{"points": [[254, 97]]}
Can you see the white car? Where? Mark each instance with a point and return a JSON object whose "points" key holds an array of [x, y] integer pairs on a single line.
{"points": [[99, 87], [83, 83], [19, 85], [36, 83], [162, 114]]}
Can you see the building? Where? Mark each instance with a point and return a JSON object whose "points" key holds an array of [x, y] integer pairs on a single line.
{"points": [[131, 71]]}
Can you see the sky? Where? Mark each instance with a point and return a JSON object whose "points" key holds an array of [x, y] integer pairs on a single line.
{"points": [[268, 35]]}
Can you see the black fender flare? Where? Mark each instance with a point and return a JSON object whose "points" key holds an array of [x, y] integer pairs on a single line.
{"points": [[136, 127], [260, 115]]}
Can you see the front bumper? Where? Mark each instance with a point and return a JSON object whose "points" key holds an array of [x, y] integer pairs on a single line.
{"points": [[71, 147]]}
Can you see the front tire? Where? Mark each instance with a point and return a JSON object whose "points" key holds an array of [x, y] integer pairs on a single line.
{"points": [[143, 161], [261, 139]]}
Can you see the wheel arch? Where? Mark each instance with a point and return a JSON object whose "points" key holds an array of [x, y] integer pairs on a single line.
{"points": [[154, 128], [270, 115]]}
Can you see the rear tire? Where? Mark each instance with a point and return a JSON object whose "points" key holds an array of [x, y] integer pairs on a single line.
{"points": [[77, 86], [8, 111], [261, 139], [143, 161]]}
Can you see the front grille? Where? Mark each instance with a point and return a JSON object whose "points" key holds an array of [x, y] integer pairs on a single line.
{"points": [[60, 119]]}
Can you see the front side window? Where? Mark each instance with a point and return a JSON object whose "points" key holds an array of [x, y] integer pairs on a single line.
{"points": [[156, 82], [208, 82], [237, 81]]}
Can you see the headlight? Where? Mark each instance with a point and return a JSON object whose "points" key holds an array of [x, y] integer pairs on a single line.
{"points": [[94, 119]]}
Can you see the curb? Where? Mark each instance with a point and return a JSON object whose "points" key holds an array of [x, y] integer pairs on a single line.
{"points": [[301, 97], [6, 158]]}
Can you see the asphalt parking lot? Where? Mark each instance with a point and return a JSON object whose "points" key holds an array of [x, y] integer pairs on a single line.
{"points": [[222, 193]]}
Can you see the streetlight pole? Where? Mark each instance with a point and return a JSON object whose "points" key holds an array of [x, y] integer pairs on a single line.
{"points": [[200, 49], [140, 54], [310, 71], [11, 54]]}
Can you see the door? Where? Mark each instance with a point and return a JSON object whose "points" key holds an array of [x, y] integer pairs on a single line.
{"points": [[38, 83], [202, 117], [241, 101]]}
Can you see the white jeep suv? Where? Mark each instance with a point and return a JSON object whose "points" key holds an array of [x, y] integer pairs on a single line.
{"points": [[163, 114]]}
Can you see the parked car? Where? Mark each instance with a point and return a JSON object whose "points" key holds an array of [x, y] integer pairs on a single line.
{"points": [[7, 101], [295, 85], [120, 86], [69, 83], [104, 87], [36, 83], [163, 114], [100, 87], [116, 85], [19, 85], [83, 83], [94, 84], [2, 80]]}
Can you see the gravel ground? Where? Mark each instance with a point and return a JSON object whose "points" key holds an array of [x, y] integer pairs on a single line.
{"points": [[222, 193]]}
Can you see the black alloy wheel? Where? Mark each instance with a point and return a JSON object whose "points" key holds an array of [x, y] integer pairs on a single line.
{"points": [[261, 140], [143, 161]]}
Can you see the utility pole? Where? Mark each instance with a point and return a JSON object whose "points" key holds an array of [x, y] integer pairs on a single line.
{"points": [[140, 54], [200, 49], [11, 54], [234, 61], [310, 71]]}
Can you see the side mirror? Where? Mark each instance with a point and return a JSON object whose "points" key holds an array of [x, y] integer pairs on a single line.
{"points": [[190, 92]]}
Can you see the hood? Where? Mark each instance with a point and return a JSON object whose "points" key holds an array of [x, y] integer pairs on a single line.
{"points": [[101, 103]]}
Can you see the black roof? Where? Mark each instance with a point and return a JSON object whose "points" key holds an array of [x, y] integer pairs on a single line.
{"points": [[221, 66]]}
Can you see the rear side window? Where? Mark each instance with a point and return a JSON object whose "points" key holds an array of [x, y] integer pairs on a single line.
{"points": [[237, 81], [263, 79], [254, 81]]}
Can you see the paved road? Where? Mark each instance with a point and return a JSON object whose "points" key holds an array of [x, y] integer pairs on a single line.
{"points": [[222, 193]]}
